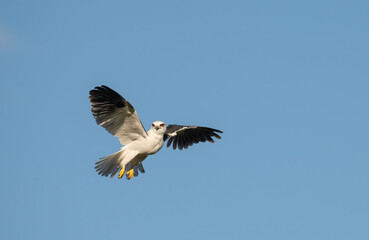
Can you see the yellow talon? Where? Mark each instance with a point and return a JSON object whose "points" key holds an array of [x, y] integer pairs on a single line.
{"points": [[121, 172], [129, 174]]}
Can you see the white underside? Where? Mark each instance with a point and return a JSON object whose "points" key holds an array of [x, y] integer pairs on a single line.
{"points": [[138, 150]]}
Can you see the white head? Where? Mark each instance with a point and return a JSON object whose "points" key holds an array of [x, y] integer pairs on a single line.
{"points": [[158, 127]]}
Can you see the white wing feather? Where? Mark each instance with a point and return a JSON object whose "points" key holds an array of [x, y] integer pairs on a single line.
{"points": [[116, 115]]}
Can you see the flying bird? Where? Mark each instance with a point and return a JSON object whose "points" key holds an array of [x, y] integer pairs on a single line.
{"points": [[119, 118]]}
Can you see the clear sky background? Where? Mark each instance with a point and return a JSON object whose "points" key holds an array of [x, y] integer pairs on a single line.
{"points": [[287, 82]]}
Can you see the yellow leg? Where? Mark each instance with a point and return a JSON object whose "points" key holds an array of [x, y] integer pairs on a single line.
{"points": [[121, 172], [129, 174]]}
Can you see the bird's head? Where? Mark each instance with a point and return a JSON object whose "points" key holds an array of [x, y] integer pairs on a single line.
{"points": [[159, 127]]}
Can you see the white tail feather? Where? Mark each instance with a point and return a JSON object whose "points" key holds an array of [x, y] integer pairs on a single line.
{"points": [[109, 165]]}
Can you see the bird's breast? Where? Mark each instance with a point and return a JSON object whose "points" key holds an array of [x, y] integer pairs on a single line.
{"points": [[155, 144], [150, 145]]}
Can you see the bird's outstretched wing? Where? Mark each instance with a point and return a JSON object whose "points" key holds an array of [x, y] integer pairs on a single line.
{"points": [[116, 115], [184, 136]]}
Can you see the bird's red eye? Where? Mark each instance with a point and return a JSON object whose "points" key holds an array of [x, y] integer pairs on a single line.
{"points": [[162, 125], [152, 125]]}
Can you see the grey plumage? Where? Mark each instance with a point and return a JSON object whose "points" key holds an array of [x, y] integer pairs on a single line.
{"points": [[116, 115], [141, 168]]}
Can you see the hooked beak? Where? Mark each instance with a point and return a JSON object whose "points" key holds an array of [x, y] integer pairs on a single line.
{"points": [[156, 128]]}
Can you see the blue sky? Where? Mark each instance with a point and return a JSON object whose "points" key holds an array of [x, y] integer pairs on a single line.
{"points": [[287, 82]]}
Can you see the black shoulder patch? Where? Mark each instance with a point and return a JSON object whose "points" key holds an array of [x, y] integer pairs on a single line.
{"points": [[120, 104]]}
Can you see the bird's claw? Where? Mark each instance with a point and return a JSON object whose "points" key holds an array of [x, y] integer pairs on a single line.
{"points": [[121, 172], [129, 174]]}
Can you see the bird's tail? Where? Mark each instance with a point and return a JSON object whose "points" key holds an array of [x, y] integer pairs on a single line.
{"points": [[109, 165]]}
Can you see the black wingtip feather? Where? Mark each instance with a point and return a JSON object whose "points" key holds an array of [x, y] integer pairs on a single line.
{"points": [[170, 140], [175, 143], [217, 136], [180, 142]]}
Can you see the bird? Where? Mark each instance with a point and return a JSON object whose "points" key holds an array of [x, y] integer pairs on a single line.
{"points": [[118, 117]]}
